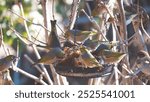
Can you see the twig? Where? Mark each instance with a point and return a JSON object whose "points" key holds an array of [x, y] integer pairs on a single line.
{"points": [[58, 80], [74, 11], [114, 23], [34, 48], [144, 29], [36, 37], [43, 3], [123, 27], [110, 78], [60, 29], [35, 23], [21, 37], [63, 80], [142, 40], [2, 42], [95, 23], [38, 40], [17, 48], [25, 23], [116, 74], [1, 36], [29, 21], [31, 61], [123, 33], [95, 81], [29, 75], [26, 41], [90, 81], [53, 10], [88, 7], [54, 74], [117, 32], [123, 20], [100, 81]]}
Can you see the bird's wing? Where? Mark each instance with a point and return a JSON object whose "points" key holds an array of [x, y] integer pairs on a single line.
{"points": [[109, 54]]}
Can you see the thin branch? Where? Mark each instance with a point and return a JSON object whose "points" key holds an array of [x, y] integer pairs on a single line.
{"points": [[95, 23], [123, 20], [17, 48], [55, 75], [29, 21], [35, 23], [34, 48], [74, 11], [95, 81], [43, 3], [144, 29], [29, 75], [123, 33], [123, 28], [88, 7], [117, 32], [90, 81], [110, 78], [60, 28], [25, 41], [63, 80], [1, 36], [53, 9], [2, 42], [32, 62], [116, 74]]}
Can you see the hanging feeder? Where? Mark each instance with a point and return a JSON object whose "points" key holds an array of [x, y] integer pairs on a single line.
{"points": [[71, 67]]}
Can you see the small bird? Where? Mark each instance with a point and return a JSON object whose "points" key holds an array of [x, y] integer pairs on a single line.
{"points": [[90, 43], [101, 47], [6, 62], [111, 56], [88, 59], [53, 40], [79, 35], [143, 62], [52, 56]]}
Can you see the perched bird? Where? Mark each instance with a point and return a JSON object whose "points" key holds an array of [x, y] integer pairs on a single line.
{"points": [[111, 56], [53, 55], [102, 47], [90, 43], [88, 59], [6, 62], [143, 62], [79, 35], [53, 40]]}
